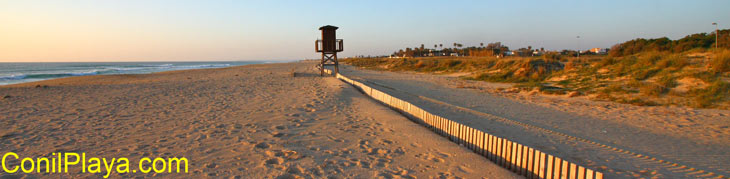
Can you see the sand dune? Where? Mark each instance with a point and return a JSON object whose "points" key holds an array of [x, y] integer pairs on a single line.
{"points": [[255, 121]]}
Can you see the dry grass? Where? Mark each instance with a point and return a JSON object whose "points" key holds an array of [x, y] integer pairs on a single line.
{"points": [[641, 79], [721, 62]]}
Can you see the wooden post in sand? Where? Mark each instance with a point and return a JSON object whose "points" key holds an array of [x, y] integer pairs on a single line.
{"points": [[329, 45]]}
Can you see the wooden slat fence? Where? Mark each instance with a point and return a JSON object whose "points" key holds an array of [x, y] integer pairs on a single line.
{"points": [[518, 158]]}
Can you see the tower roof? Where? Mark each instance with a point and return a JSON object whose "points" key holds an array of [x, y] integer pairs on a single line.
{"points": [[328, 27]]}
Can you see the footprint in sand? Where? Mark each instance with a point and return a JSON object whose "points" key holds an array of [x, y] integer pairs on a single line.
{"points": [[278, 135], [399, 173], [275, 161], [430, 157], [288, 154], [263, 145], [379, 152], [211, 165], [446, 175]]}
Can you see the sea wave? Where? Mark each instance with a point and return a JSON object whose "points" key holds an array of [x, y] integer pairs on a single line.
{"points": [[158, 65], [13, 77], [204, 66], [147, 68], [48, 75]]}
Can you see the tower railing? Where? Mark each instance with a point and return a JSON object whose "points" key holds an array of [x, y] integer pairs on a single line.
{"points": [[319, 48]]}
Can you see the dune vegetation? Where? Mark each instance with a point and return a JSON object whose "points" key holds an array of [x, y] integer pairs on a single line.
{"points": [[640, 72]]}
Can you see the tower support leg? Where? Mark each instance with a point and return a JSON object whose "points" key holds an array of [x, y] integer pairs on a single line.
{"points": [[329, 59], [337, 65]]}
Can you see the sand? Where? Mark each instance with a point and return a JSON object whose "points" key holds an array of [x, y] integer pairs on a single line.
{"points": [[254, 121], [680, 142]]}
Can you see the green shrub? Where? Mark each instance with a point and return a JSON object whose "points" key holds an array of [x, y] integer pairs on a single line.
{"points": [[605, 61], [645, 73], [615, 88], [638, 102], [717, 91], [553, 56], [667, 81], [653, 89], [673, 61], [649, 58]]}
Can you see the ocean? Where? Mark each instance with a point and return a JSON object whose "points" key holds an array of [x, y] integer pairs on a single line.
{"points": [[12, 73]]}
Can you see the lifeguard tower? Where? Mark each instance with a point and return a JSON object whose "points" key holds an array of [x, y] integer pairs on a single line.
{"points": [[329, 45]]}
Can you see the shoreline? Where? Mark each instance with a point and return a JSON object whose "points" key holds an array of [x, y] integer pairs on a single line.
{"points": [[35, 72]]}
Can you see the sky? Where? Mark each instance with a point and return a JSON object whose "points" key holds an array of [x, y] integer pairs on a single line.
{"points": [[225, 30]]}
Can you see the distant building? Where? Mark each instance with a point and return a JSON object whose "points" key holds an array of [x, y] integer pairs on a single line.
{"points": [[509, 53], [537, 52], [599, 50]]}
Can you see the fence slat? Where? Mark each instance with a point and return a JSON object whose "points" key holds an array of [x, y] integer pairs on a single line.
{"points": [[535, 163], [581, 172], [515, 160], [530, 162], [505, 153], [447, 128], [463, 137], [557, 170], [487, 146], [430, 121], [572, 171], [518, 159], [467, 133], [564, 170], [508, 154], [480, 151], [441, 126], [541, 167], [454, 131], [549, 172], [493, 148], [589, 174], [498, 150], [461, 134], [474, 141]]}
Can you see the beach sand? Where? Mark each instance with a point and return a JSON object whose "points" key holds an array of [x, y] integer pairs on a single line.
{"points": [[254, 121]]}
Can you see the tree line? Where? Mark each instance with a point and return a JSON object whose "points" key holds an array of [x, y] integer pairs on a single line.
{"points": [[694, 41], [689, 42], [490, 49]]}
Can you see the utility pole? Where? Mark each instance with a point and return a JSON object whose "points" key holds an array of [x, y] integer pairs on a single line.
{"points": [[578, 51], [717, 33]]}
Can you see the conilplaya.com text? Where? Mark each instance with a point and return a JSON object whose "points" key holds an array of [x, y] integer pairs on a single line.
{"points": [[61, 162]]}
